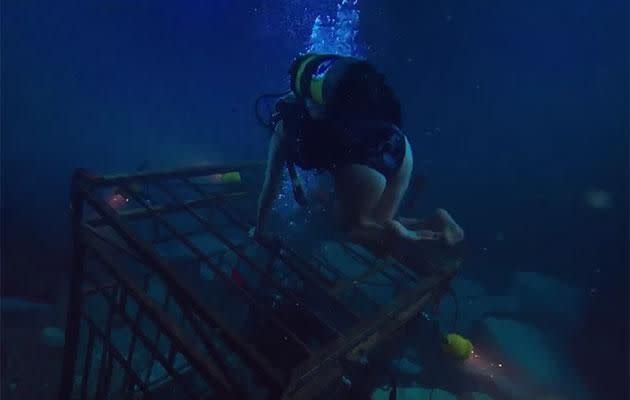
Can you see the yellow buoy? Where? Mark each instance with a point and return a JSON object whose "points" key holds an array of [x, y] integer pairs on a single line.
{"points": [[231, 177], [457, 346]]}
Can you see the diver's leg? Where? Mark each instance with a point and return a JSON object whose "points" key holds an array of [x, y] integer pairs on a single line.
{"points": [[359, 190], [440, 226], [395, 190], [389, 203], [417, 223]]}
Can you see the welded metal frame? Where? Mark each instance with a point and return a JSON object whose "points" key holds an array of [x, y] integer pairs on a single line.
{"points": [[308, 380]]}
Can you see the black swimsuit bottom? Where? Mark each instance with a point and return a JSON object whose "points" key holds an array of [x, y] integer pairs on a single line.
{"points": [[375, 144]]}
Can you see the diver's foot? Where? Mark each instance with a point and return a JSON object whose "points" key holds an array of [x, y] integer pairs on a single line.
{"points": [[412, 223], [398, 230], [401, 232], [408, 222], [452, 232]]}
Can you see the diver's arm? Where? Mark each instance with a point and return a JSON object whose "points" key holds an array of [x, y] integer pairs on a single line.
{"points": [[275, 162]]}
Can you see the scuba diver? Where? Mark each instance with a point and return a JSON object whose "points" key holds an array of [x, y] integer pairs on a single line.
{"points": [[342, 117]]}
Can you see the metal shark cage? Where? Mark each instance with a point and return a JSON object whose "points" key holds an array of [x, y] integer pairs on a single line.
{"points": [[171, 299]]}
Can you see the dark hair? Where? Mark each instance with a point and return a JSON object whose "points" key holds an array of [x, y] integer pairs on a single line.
{"points": [[363, 93]]}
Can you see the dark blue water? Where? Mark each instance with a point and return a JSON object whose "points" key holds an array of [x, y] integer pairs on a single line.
{"points": [[515, 111]]}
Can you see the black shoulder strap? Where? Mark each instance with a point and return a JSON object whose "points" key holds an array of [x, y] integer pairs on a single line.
{"points": [[291, 111], [288, 111]]}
